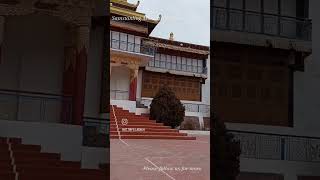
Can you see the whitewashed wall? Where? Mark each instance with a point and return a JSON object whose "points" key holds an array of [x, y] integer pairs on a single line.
{"points": [[206, 87], [120, 80]]}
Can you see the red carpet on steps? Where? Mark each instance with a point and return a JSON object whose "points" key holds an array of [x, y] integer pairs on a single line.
{"points": [[31, 164], [140, 127]]}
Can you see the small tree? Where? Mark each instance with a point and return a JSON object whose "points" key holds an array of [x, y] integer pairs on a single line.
{"points": [[226, 152], [167, 108]]}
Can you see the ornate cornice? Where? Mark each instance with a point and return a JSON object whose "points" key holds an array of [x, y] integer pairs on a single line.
{"points": [[129, 26], [176, 48], [125, 59]]}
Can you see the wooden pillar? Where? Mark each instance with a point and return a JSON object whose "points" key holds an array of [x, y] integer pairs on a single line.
{"points": [[70, 58], [80, 72]]}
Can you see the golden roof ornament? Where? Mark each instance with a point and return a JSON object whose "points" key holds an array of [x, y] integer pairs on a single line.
{"points": [[171, 37], [160, 17]]}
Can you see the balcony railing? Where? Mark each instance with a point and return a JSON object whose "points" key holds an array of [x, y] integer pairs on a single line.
{"points": [[278, 147], [262, 23], [178, 67], [96, 132], [35, 106], [132, 47], [189, 107], [201, 108]]}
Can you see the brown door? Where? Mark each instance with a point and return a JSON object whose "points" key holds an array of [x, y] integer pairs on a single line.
{"points": [[251, 87]]}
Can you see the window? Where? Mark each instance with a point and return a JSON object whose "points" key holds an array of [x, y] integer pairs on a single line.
{"points": [[234, 72], [177, 63], [194, 65], [115, 37], [253, 5], [254, 74], [271, 6], [217, 70], [189, 65], [163, 61], [123, 41], [220, 3], [276, 76], [151, 62], [200, 66], [168, 64], [236, 91], [130, 43], [179, 67], [223, 90], [174, 62], [265, 93], [137, 41], [184, 64], [235, 4], [157, 60], [251, 92]]}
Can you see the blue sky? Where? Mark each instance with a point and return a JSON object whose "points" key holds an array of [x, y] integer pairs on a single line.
{"points": [[189, 20]]}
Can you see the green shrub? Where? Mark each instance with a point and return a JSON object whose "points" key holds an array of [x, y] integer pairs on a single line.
{"points": [[167, 108], [226, 152]]}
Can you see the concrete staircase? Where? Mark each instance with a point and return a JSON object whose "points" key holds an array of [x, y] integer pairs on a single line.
{"points": [[27, 162], [131, 126]]}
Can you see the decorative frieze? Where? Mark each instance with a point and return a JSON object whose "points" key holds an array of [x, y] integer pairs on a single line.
{"points": [[120, 58]]}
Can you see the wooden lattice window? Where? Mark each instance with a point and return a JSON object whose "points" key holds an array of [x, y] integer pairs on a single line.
{"points": [[186, 88]]}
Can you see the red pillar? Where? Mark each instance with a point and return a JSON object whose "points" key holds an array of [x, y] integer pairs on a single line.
{"points": [[133, 89], [68, 84]]}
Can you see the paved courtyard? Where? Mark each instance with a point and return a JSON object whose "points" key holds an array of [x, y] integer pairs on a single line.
{"points": [[143, 159]]}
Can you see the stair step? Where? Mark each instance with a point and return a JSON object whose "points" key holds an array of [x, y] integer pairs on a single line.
{"points": [[49, 163], [5, 168], [12, 140], [141, 126], [7, 176], [152, 137], [149, 133], [32, 164], [59, 170], [138, 123], [5, 156], [133, 118], [4, 147], [149, 130], [34, 155], [104, 166], [17, 148], [30, 176]]}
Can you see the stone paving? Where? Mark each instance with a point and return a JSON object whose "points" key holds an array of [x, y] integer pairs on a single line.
{"points": [[145, 159]]}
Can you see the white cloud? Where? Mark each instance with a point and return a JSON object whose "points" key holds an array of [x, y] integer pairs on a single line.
{"points": [[189, 20]]}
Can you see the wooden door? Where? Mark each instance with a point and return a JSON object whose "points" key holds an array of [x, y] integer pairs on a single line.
{"points": [[251, 86]]}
